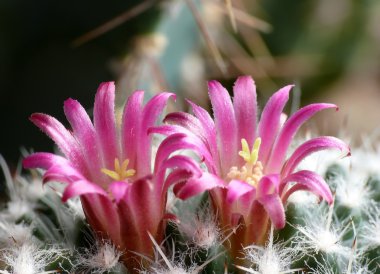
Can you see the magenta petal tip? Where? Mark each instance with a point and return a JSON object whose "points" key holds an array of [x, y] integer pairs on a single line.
{"points": [[105, 86]]}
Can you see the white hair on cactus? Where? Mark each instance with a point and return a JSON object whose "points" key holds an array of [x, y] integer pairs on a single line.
{"points": [[16, 209], [30, 189], [353, 193], [17, 206], [101, 258], [15, 234], [356, 264], [303, 199], [273, 258], [75, 208], [171, 266], [29, 259], [370, 233], [365, 160], [321, 234], [173, 270], [200, 228]]}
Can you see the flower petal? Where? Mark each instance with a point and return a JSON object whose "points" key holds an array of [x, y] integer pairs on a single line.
{"points": [[118, 190], [187, 121], [197, 186], [245, 107], [226, 127], [287, 133], [311, 146], [62, 137], [102, 215], [270, 121], [152, 111], [180, 141], [236, 189], [190, 142], [268, 185], [84, 132], [273, 206], [190, 125], [104, 122], [209, 130], [43, 160], [141, 213], [307, 180], [183, 168], [131, 126], [169, 130], [62, 173], [81, 187], [201, 127]]}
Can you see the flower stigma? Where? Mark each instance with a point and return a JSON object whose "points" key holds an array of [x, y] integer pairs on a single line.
{"points": [[252, 171], [120, 173]]}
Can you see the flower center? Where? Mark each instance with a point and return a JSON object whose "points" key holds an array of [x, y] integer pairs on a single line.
{"points": [[121, 172], [252, 171]]}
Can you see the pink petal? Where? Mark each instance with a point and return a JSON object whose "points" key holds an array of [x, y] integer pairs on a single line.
{"points": [[311, 146], [151, 113], [182, 168], [58, 177], [102, 215], [180, 141], [44, 160], [209, 131], [201, 127], [275, 209], [197, 186], [167, 130], [84, 132], [288, 132], [189, 124], [244, 204], [131, 126], [187, 121], [81, 187], [118, 190], [62, 173], [268, 185], [191, 142], [270, 121], [236, 189], [141, 212], [178, 178], [62, 137], [245, 107], [226, 127], [104, 122], [307, 180]]}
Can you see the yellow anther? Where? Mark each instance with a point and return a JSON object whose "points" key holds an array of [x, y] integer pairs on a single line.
{"points": [[121, 172], [250, 156], [252, 171]]}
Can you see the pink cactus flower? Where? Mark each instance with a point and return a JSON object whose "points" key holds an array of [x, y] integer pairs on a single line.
{"points": [[249, 176], [109, 165]]}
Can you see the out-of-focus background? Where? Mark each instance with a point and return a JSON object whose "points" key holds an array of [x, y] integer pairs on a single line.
{"points": [[51, 50]]}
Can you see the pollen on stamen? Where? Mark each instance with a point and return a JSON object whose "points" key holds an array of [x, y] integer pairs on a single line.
{"points": [[120, 173], [252, 171], [250, 156]]}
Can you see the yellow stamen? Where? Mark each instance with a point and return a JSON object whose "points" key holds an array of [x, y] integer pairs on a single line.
{"points": [[250, 156], [252, 171], [121, 172]]}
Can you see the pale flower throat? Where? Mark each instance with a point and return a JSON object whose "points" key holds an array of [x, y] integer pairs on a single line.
{"points": [[252, 171], [121, 172]]}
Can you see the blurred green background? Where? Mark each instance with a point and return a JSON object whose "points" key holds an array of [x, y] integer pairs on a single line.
{"points": [[330, 49]]}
